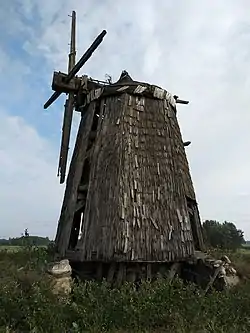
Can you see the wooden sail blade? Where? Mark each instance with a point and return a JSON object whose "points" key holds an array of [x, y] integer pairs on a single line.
{"points": [[66, 130], [78, 66], [52, 99]]}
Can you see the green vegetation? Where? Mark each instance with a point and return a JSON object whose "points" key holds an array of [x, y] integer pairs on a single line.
{"points": [[10, 248], [27, 304], [222, 235]]}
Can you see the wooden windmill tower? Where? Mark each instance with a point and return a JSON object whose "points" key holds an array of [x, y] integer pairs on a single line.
{"points": [[129, 206]]}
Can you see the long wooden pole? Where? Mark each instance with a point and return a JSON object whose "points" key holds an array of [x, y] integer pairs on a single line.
{"points": [[69, 106], [72, 54]]}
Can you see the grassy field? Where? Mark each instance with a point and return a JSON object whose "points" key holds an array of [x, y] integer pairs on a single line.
{"points": [[27, 304], [14, 248], [10, 248]]}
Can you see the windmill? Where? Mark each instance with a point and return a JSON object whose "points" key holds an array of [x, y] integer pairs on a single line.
{"points": [[67, 83], [129, 206]]}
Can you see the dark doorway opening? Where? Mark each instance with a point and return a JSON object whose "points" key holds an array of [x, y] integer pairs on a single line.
{"points": [[195, 223]]}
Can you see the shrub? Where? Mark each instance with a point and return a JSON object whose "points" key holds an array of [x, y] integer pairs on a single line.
{"points": [[27, 304]]}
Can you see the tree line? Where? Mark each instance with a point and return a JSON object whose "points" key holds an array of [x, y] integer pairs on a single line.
{"points": [[26, 239], [222, 235]]}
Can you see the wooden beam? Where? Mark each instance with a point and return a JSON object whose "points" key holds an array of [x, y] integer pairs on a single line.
{"points": [[69, 107], [81, 196], [186, 143], [73, 181], [83, 188], [59, 85], [212, 279], [111, 272], [180, 101], [72, 54]]}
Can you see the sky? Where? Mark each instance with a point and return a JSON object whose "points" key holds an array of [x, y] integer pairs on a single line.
{"points": [[198, 50]]}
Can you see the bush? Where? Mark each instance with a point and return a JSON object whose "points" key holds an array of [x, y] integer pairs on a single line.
{"points": [[27, 304]]}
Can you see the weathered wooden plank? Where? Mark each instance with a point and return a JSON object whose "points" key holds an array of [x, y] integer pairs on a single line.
{"points": [[73, 181], [80, 205], [121, 274], [111, 272], [101, 226]]}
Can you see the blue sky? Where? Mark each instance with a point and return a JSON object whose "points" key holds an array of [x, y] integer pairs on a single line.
{"points": [[198, 50]]}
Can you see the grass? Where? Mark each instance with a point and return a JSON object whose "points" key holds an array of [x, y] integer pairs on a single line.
{"points": [[15, 248], [10, 248], [27, 304]]}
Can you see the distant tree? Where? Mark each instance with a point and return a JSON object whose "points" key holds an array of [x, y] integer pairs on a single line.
{"points": [[4, 241], [25, 238], [223, 235], [26, 233]]}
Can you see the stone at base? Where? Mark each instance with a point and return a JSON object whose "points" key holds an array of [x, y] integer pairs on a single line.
{"points": [[60, 269], [231, 281], [61, 286], [60, 275]]}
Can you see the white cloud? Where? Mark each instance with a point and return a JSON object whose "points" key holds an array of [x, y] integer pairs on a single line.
{"points": [[198, 50], [30, 195]]}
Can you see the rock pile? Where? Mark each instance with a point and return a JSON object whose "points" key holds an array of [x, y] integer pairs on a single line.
{"points": [[229, 273], [224, 271], [208, 272]]}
